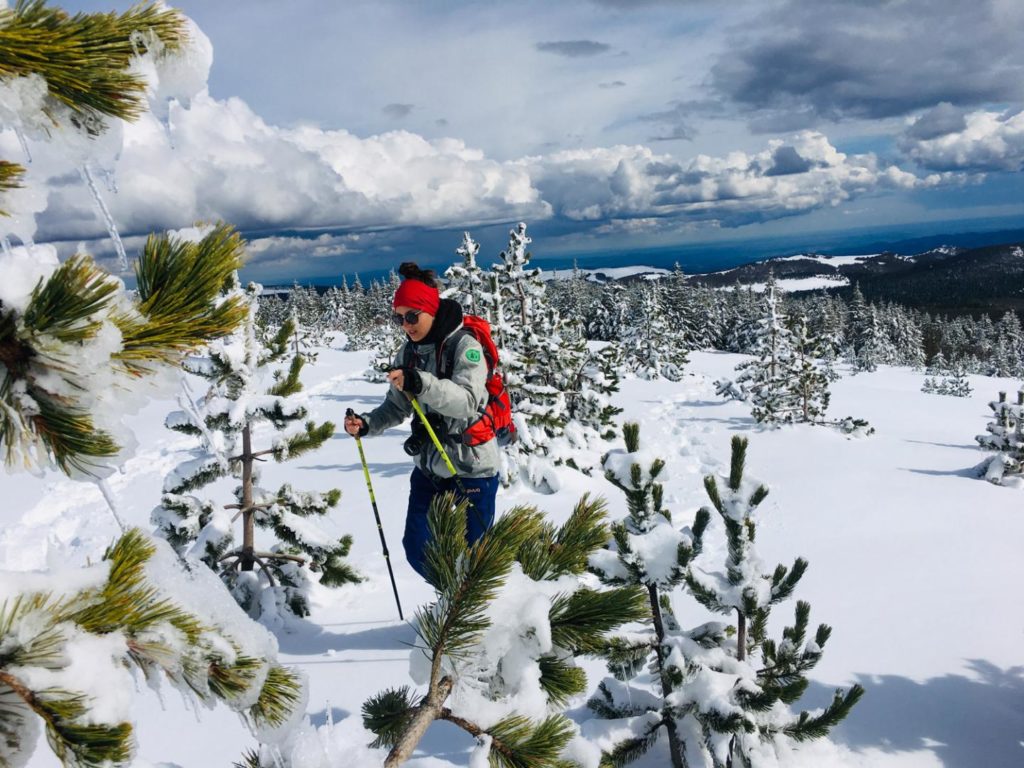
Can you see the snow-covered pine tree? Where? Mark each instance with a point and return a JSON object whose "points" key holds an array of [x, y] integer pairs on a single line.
{"points": [[756, 711], [499, 644], [768, 379], [535, 359], [306, 307], [742, 319], [1007, 352], [591, 385], [943, 378], [361, 317], [606, 319], [652, 347], [653, 554], [1005, 437], [385, 339], [810, 381], [225, 423], [681, 310], [336, 309], [76, 342], [72, 341], [466, 280]]}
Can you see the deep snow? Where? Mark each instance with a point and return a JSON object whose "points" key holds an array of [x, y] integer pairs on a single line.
{"points": [[913, 560]]}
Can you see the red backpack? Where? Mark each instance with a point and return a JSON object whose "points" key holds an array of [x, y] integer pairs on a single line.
{"points": [[496, 420]]}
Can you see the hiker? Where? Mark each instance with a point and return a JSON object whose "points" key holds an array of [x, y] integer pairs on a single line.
{"points": [[452, 400]]}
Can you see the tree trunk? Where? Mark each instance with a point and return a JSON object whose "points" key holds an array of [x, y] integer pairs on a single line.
{"points": [[248, 513], [423, 716], [741, 636], [675, 747]]}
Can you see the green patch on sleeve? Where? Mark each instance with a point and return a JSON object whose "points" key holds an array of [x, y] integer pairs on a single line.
{"points": [[473, 355]]}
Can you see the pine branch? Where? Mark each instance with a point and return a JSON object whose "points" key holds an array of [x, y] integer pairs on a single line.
{"points": [[387, 715], [739, 457], [280, 695], [561, 680], [807, 727], [289, 384], [10, 178], [250, 759], [626, 658], [304, 442], [521, 743], [85, 58], [184, 301], [458, 618], [580, 621], [557, 553]]}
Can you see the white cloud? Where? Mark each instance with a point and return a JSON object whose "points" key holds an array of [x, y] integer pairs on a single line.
{"points": [[217, 159], [738, 188], [987, 141]]}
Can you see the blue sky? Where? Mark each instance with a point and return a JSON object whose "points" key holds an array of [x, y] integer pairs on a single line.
{"points": [[380, 126]]}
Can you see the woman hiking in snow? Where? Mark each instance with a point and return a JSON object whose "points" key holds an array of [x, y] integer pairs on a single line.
{"points": [[452, 400]]}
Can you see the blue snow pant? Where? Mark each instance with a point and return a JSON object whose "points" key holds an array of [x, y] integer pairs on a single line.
{"points": [[480, 492]]}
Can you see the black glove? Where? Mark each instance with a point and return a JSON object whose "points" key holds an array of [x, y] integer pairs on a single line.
{"points": [[363, 426], [412, 381]]}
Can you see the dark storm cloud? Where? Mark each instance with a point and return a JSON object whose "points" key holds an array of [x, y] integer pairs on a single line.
{"points": [[940, 121], [574, 49], [398, 111], [787, 161], [835, 59]]}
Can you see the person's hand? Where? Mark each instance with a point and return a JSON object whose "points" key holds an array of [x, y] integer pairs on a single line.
{"points": [[354, 425], [406, 380]]}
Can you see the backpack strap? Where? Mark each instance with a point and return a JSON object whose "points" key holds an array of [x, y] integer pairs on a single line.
{"points": [[446, 355]]}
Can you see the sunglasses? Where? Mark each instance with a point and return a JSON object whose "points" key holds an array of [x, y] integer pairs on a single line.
{"points": [[411, 317]]}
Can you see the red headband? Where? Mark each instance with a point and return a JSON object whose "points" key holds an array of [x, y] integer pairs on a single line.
{"points": [[416, 294]]}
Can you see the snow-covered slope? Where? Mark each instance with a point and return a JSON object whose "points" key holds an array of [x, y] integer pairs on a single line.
{"points": [[913, 560]]}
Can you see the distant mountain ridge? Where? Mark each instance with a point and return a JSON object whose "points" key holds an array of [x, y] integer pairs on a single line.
{"points": [[947, 279]]}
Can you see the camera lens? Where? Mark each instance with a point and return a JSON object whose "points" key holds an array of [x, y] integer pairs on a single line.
{"points": [[412, 445]]}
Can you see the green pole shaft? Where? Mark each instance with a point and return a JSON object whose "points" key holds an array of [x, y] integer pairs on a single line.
{"points": [[433, 436], [444, 455], [380, 528]]}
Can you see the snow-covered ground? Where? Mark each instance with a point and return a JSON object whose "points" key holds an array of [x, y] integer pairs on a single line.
{"points": [[914, 562], [798, 284]]}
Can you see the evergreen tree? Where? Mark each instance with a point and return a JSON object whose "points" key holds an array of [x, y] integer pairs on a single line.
{"points": [[681, 311], [361, 317], [225, 423], [652, 346], [769, 379], [1005, 437], [756, 710], [466, 280], [499, 644], [810, 382], [1009, 343], [653, 554], [384, 344]]}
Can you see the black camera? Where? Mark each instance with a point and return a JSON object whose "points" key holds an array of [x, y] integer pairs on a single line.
{"points": [[419, 438], [413, 445]]}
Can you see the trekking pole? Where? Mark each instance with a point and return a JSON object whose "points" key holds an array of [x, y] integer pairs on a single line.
{"points": [[444, 455], [376, 514]]}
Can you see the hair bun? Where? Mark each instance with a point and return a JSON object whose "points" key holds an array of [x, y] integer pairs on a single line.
{"points": [[410, 270]]}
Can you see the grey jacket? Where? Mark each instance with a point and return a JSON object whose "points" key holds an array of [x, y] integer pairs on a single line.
{"points": [[460, 400]]}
